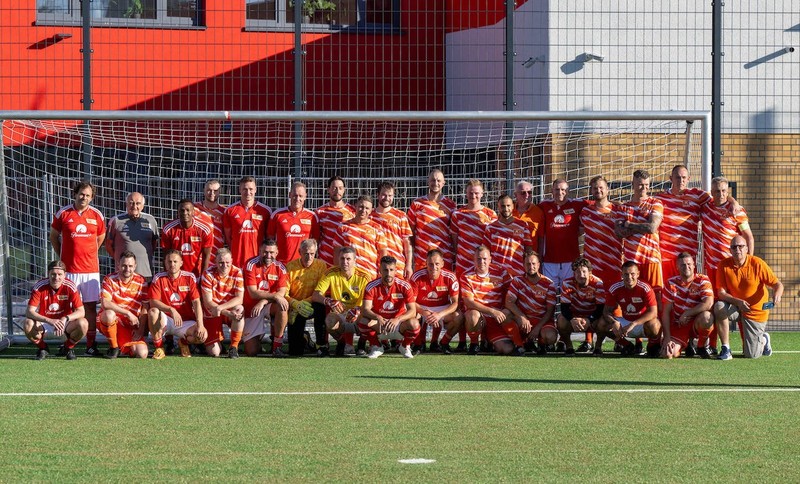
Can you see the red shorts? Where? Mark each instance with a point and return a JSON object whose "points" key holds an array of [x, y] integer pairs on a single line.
{"points": [[214, 328], [124, 336], [681, 334], [494, 332]]}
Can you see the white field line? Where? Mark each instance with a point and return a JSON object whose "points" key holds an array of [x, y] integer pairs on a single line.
{"points": [[402, 392]]}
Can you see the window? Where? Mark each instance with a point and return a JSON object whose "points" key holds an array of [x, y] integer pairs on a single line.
{"points": [[323, 15], [123, 13]]}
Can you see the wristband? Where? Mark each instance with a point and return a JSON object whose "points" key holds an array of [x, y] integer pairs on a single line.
{"points": [[67, 318]]}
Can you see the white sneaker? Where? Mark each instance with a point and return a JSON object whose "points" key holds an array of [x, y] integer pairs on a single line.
{"points": [[405, 351], [349, 350], [375, 351], [767, 345]]}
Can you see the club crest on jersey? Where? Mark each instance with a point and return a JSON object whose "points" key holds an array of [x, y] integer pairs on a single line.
{"points": [[272, 277], [397, 295], [257, 217], [183, 288], [91, 221], [569, 211], [441, 288], [62, 297], [305, 221], [194, 238], [636, 300]]}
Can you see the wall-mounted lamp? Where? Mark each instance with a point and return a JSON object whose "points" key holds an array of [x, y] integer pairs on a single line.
{"points": [[591, 57], [788, 50], [531, 61]]}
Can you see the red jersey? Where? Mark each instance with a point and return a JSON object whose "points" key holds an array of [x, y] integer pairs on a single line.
{"points": [[437, 293], [469, 226], [720, 226], [270, 278], [131, 295], [178, 293], [562, 227], [430, 222], [507, 242], [55, 304], [686, 295], [533, 298], [391, 301], [678, 231], [489, 289], [330, 218], [396, 230], [368, 240], [248, 228], [212, 218], [633, 302], [79, 233], [189, 241], [600, 246], [289, 229], [583, 300], [222, 288], [641, 248]]}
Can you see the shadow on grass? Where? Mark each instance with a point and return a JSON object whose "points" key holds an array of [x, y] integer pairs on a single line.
{"points": [[556, 381]]}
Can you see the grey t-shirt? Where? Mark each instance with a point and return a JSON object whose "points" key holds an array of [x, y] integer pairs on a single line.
{"points": [[138, 235]]}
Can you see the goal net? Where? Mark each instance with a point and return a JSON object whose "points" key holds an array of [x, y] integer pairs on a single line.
{"points": [[170, 156]]}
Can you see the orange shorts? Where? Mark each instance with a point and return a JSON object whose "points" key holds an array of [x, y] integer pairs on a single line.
{"points": [[214, 328], [651, 274], [124, 336]]}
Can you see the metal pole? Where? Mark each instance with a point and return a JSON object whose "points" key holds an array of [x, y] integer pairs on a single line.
{"points": [[509, 102], [299, 99], [706, 157], [87, 86], [716, 87], [5, 237]]}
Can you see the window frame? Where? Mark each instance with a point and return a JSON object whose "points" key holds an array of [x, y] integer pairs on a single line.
{"points": [[73, 18], [282, 24]]}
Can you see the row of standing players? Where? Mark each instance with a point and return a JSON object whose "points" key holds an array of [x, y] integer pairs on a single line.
{"points": [[648, 230]]}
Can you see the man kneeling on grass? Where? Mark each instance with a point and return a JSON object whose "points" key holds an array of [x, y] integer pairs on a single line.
{"points": [[388, 311], [637, 301], [175, 307], [55, 307], [688, 299]]}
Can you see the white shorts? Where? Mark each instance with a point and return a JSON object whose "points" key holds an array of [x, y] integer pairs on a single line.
{"points": [[50, 329], [637, 332], [558, 272], [435, 309], [169, 326], [256, 327], [88, 285]]}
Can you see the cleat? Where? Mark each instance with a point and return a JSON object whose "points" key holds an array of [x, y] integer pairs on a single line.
{"points": [[62, 350], [704, 352], [323, 352], [70, 355], [233, 353], [349, 350], [473, 349], [42, 353], [767, 345], [169, 346], [628, 350], [518, 351], [598, 351], [560, 347], [618, 347], [485, 347], [445, 349], [550, 347], [278, 353], [159, 354], [542, 350], [714, 352], [339, 350], [637, 348], [186, 351], [653, 350], [725, 354], [569, 351], [435, 347], [415, 349], [91, 351], [585, 347], [530, 346], [375, 352], [405, 351], [691, 350], [362, 352], [361, 346], [461, 347], [112, 353]]}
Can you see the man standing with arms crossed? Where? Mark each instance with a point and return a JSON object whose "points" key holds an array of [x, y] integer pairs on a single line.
{"points": [[245, 223], [507, 238], [76, 234], [330, 216], [429, 217], [742, 282], [396, 229]]}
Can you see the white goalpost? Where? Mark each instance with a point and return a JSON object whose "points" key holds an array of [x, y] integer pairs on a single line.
{"points": [[168, 156]]}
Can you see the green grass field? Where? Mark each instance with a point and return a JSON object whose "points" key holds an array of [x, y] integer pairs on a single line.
{"points": [[481, 418]]}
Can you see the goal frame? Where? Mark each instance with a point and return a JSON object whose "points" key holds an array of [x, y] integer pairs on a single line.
{"points": [[299, 117]]}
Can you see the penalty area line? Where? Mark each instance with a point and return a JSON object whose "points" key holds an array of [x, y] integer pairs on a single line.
{"points": [[400, 392]]}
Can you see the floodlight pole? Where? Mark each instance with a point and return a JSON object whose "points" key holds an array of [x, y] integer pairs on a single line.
{"points": [[86, 50], [299, 100], [716, 87], [509, 101]]}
